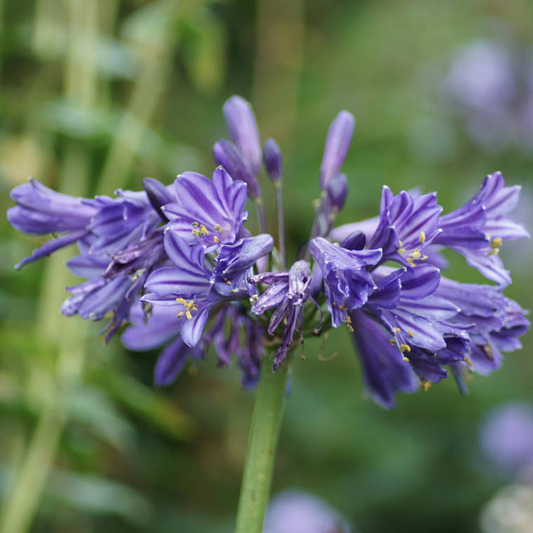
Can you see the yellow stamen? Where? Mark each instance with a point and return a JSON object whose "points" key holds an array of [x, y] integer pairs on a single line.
{"points": [[488, 351], [410, 333], [396, 330], [216, 239], [218, 227], [422, 237], [425, 385], [415, 255], [406, 359], [405, 348], [401, 250], [190, 306], [411, 262]]}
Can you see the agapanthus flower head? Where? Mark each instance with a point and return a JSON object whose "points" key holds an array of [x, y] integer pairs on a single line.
{"points": [[178, 264]]}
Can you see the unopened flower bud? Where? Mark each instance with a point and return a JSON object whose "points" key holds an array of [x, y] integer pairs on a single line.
{"points": [[158, 195], [337, 143], [242, 127], [227, 155], [337, 192], [272, 159], [355, 241]]}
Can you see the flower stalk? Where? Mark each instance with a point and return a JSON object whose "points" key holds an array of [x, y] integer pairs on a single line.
{"points": [[262, 444]]}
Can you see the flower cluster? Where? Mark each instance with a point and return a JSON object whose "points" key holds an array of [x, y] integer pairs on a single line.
{"points": [[175, 267]]}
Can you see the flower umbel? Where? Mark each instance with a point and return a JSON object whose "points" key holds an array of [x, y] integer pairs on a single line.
{"points": [[178, 265]]}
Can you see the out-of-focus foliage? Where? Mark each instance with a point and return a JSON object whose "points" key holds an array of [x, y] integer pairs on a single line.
{"points": [[97, 94]]}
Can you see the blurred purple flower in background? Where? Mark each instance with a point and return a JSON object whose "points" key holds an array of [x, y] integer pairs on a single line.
{"points": [[294, 511], [506, 438], [489, 86]]}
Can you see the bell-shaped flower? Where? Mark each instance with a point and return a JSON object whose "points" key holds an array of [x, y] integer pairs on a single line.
{"points": [[207, 212]]}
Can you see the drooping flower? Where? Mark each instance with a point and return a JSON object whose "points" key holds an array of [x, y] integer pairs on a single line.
{"points": [[113, 284], [287, 292], [417, 324], [230, 333], [347, 282], [207, 212]]}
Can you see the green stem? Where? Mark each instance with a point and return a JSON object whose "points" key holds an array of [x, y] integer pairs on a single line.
{"points": [[261, 453]]}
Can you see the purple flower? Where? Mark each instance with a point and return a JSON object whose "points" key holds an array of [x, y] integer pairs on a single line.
{"points": [[40, 210], [295, 511], [416, 324], [190, 287], [347, 282], [385, 373], [478, 229], [112, 223], [337, 144], [207, 212], [235, 261], [287, 292], [159, 327], [120, 221], [506, 437], [113, 285]]}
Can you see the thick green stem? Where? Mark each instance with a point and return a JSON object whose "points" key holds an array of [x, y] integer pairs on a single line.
{"points": [[262, 444]]}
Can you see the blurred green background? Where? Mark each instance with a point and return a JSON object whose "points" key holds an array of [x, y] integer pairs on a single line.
{"points": [[98, 94]]}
